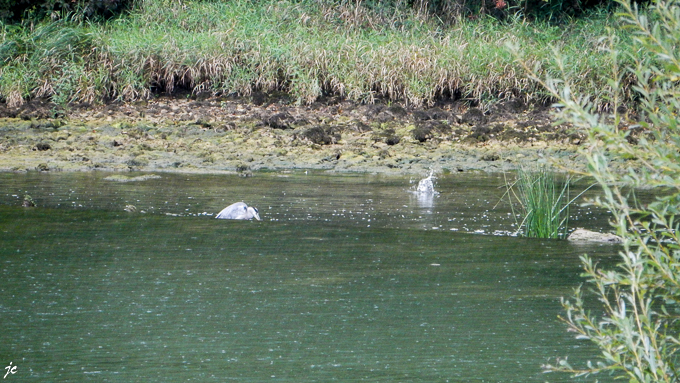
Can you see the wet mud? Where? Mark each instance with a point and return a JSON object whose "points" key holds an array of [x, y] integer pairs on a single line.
{"points": [[246, 135]]}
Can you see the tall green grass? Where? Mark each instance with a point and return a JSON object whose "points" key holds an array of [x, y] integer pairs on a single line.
{"points": [[307, 49], [544, 203]]}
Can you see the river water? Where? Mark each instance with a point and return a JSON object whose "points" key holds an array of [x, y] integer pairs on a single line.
{"points": [[346, 278]]}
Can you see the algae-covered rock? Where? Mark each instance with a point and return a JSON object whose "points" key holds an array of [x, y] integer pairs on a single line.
{"points": [[124, 178], [583, 235], [216, 134]]}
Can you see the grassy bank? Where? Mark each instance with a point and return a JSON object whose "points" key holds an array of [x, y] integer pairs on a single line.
{"points": [[307, 50]]}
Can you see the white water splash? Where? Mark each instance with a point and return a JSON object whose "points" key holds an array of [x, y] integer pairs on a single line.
{"points": [[425, 191], [426, 185]]}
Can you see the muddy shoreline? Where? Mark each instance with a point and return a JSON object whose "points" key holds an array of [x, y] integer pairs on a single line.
{"points": [[261, 132]]}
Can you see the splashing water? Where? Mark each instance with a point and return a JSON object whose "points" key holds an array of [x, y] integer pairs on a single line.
{"points": [[425, 191], [426, 185]]}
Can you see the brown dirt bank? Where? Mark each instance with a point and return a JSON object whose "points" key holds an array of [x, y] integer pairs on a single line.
{"points": [[243, 135]]}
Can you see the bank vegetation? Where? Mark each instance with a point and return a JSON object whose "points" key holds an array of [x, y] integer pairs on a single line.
{"points": [[307, 50]]}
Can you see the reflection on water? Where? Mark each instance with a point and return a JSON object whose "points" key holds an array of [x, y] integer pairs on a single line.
{"points": [[347, 278], [425, 200]]}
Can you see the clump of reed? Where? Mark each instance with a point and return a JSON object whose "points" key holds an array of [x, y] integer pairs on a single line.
{"points": [[544, 203], [307, 49]]}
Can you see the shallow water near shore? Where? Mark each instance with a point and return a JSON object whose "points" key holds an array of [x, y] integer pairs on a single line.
{"points": [[346, 278]]}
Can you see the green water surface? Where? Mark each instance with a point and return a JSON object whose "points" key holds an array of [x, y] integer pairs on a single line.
{"points": [[347, 278]]}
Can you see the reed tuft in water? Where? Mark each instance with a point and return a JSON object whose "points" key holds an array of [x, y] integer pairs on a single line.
{"points": [[544, 204]]}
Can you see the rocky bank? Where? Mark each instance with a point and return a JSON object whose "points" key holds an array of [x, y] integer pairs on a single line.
{"points": [[262, 132]]}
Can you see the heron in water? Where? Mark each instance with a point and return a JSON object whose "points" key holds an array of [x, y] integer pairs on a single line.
{"points": [[238, 210]]}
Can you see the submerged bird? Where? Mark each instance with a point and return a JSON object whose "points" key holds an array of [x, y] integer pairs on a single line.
{"points": [[238, 210]]}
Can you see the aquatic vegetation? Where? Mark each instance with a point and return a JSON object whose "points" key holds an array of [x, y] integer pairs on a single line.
{"points": [[544, 204], [28, 201]]}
